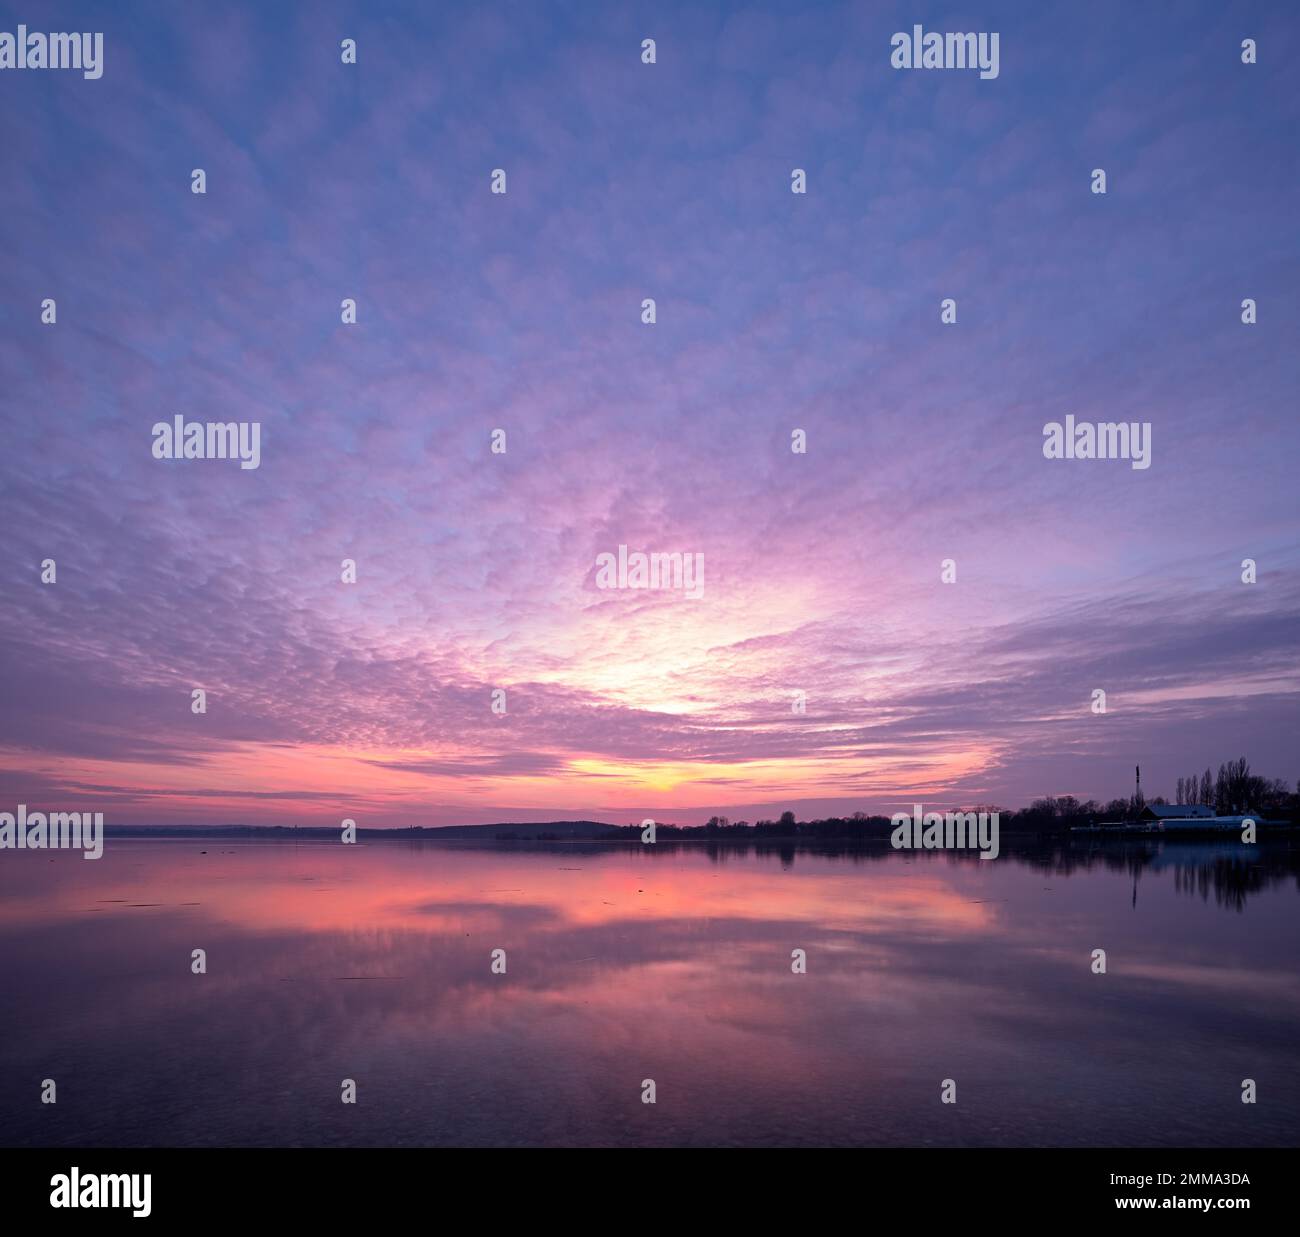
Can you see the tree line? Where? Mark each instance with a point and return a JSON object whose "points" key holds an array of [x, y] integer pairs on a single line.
{"points": [[1235, 792]]}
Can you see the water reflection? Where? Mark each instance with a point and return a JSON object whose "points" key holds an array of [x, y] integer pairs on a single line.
{"points": [[627, 962]]}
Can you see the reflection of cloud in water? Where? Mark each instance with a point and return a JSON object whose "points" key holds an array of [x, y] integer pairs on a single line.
{"points": [[670, 967]]}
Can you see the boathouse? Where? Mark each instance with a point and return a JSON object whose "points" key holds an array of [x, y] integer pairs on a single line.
{"points": [[1175, 811]]}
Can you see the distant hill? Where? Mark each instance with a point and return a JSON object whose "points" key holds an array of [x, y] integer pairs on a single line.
{"points": [[542, 831]]}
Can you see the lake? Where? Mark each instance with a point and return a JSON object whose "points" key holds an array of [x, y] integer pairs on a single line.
{"points": [[626, 963]]}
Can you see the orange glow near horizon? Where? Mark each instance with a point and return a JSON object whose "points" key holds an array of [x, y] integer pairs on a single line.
{"points": [[474, 890]]}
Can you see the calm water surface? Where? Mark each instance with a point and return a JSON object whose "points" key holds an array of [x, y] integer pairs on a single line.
{"points": [[372, 962]]}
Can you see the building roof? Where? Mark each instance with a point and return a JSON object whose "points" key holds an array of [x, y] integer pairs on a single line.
{"points": [[1177, 811]]}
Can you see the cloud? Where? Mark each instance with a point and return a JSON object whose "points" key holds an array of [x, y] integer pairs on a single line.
{"points": [[522, 312]]}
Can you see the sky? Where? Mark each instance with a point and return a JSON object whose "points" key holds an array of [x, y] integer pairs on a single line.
{"points": [[775, 311]]}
